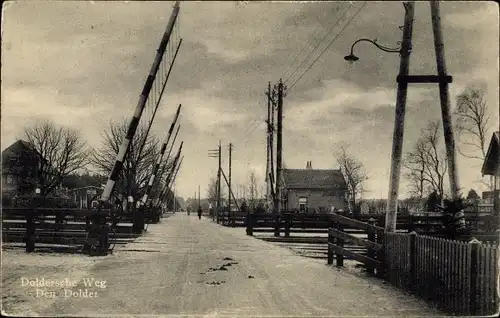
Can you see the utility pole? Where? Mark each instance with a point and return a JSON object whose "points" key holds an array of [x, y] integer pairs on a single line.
{"points": [[229, 185], [268, 143], [215, 153], [397, 138], [445, 100], [199, 197], [279, 158], [270, 174], [218, 185], [403, 79]]}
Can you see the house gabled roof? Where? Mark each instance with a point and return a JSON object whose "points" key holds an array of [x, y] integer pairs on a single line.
{"points": [[15, 149], [313, 179], [490, 164]]}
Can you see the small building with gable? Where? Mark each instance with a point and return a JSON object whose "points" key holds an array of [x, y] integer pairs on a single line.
{"points": [[314, 190], [491, 167]]}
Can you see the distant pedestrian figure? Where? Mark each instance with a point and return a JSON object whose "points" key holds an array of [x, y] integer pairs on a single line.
{"points": [[200, 211]]}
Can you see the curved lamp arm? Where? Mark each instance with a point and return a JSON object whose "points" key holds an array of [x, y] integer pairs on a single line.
{"points": [[351, 57]]}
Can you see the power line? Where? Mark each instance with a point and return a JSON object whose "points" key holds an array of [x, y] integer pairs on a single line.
{"points": [[316, 47], [303, 49], [249, 126], [326, 48], [250, 132]]}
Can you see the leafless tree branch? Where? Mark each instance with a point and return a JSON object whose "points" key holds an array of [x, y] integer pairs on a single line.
{"points": [[137, 170], [61, 151], [353, 171], [425, 166]]}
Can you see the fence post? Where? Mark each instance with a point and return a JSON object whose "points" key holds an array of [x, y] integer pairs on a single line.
{"points": [[249, 223], [30, 232], [87, 223], [58, 223], [474, 300], [340, 244], [277, 223], [288, 221], [329, 259], [371, 252], [413, 261]]}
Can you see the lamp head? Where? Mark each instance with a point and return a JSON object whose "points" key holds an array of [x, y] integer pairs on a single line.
{"points": [[351, 58]]}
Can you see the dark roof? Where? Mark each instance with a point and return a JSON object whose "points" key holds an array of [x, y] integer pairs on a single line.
{"points": [[313, 179], [490, 164], [15, 149]]}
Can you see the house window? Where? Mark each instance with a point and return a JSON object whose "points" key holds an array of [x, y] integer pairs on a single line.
{"points": [[302, 204]]}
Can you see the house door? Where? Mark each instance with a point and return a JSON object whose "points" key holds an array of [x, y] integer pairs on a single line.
{"points": [[302, 204]]}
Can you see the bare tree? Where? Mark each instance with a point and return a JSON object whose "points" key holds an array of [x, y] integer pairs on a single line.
{"points": [[473, 123], [353, 171], [137, 167], [60, 151], [426, 165], [212, 190], [253, 189], [381, 206], [416, 165]]}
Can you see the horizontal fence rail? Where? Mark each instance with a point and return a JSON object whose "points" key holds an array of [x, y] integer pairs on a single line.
{"points": [[337, 237], [66, 226]]}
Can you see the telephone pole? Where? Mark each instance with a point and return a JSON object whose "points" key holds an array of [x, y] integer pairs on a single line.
{"points": [[279, 158], [445, 100], [270, 174], [216, 154], [199, 197], [443, 79], [397, 138], [229, 186], [218, 185], [268, 143]]}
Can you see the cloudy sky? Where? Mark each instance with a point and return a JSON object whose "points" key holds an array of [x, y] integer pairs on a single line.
{"points": [[83, 64]]}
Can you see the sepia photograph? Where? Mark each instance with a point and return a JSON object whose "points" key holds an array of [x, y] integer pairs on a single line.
{"points": [[250, 158]]}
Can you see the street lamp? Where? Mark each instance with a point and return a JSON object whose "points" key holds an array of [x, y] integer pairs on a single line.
{"points": [[351, 58]]}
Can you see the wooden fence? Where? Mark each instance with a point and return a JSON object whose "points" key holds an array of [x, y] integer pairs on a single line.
{"points": [[287, 223], [431, 224], [233, 218], [337, 237], [63, 226], [459, 277]]}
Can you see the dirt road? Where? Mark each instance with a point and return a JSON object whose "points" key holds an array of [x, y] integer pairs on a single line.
{"points": [[186, 266]]}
